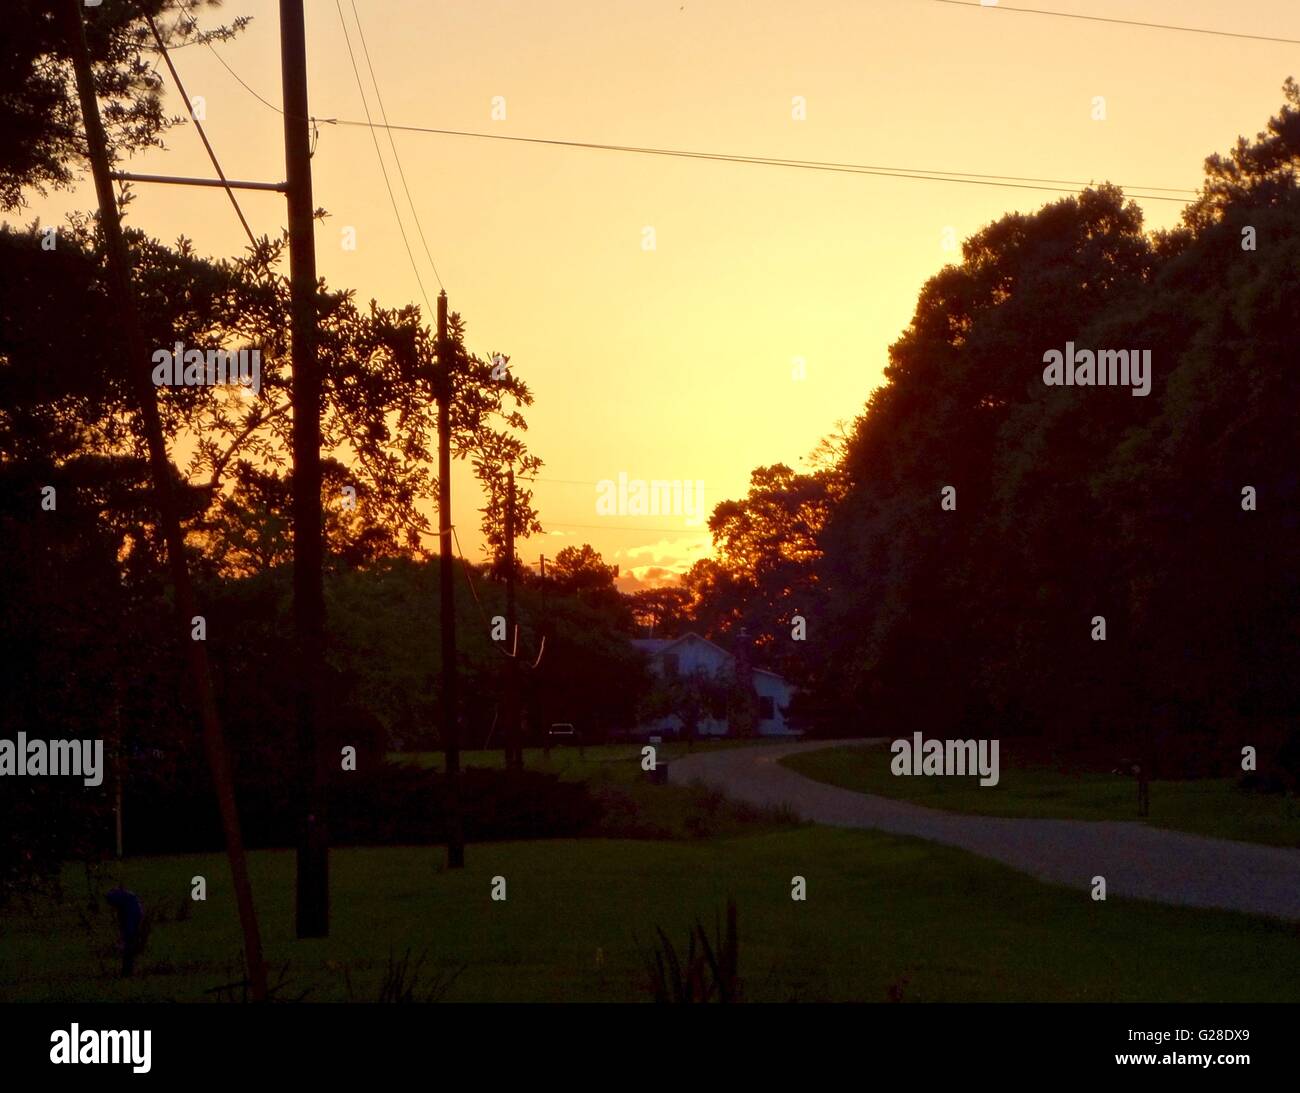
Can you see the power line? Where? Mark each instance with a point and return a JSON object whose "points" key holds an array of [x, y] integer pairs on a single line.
{"points": [[383, 113], [1129, 22], [1019, 182], [962, 174], [465, 567], [468, 580], [221, 59], [198, 125], [765, 161], [379, 155]]}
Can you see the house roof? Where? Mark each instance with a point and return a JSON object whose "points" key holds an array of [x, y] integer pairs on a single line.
{"points": [[665, 644], [651, 646], [655, 646]]}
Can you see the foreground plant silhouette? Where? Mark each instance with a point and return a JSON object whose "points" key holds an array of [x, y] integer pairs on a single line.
{"points": [[711, 970]]}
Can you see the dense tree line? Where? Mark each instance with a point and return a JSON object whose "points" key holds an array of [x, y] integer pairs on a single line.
{"points": [[87, 604], [1070, 503], [80, 544]]}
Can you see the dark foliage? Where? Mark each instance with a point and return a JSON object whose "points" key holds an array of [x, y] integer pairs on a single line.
{"points": [[391, 805], [1070, 502], [710, 970]]}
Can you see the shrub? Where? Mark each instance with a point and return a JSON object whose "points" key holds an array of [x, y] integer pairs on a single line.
{"points": [[710, 971], [386, 805]]}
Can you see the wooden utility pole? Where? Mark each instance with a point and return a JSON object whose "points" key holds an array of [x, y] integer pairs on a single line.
{"points": [[137, 361], [119, 770], [447, 595], [514, 753], [119, 766], [537, 707], [313, 895]]}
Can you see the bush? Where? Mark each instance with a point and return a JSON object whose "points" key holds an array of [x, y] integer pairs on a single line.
{"points": [[709, 971], [384, 806]]}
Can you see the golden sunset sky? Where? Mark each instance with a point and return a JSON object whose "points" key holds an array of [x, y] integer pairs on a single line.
{"points": [[676, 363]]}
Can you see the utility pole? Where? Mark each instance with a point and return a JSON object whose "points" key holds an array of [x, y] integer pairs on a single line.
{"points": [[443, 387], [119, 773], [514, 753], [313, 895], [538, 706], [136, 366], [119, 767]]}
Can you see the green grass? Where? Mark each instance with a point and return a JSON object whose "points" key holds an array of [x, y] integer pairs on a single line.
{"points": [[882, 911], [1212, 806]]}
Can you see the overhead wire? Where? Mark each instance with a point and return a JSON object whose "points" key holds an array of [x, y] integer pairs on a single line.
{"points": [[198, 125], [1124, 22], [968, 178], [1023, 182], [406, 242], [238, 79], [483, 614], [383, 113]]}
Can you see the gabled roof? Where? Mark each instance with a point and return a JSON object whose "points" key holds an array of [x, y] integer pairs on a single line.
{"points": [[665, 644], [654, 647], [651, 646]]}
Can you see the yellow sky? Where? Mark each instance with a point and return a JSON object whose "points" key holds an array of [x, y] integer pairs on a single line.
{"points": [[676, 363]]}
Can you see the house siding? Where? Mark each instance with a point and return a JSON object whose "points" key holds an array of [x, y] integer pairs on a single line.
{"points": [[693, 654]]}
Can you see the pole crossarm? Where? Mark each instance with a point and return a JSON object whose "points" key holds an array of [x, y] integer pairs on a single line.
{"points": [[178, 180]]}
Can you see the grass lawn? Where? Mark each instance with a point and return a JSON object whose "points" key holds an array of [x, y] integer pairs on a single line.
{"points": [[881, 912], [1211, 806]]}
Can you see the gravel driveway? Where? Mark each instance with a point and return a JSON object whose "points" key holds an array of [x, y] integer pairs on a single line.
{"points": [[1136, 860]]}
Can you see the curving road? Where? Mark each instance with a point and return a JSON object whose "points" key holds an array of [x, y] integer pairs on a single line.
{"points": [[1137, 861]]}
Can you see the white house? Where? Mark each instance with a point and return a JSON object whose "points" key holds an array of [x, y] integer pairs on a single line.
{"points": [[672, 658]]}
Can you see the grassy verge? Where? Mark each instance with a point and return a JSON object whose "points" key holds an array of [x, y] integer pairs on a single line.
{"points": [[883, 915], [1212, 806]]}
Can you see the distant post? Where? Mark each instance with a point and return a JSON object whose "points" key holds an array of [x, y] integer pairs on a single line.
{"points": [[514, 753], [538, 683], [447, 595]]}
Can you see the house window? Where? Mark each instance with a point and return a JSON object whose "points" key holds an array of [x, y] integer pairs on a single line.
{"points": [[766, 710], [670, 665]]}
